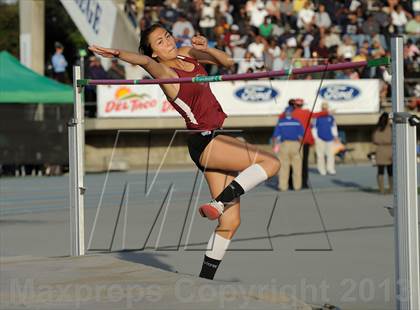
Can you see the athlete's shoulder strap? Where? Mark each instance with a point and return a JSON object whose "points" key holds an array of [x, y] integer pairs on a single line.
{"points": [[186, 58]]}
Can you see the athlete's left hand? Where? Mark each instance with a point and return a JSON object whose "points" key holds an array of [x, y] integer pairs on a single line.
{"points": [[199, 43]]}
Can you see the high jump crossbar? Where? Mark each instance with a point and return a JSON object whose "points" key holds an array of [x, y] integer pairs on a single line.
{"points": [[384, 61]]}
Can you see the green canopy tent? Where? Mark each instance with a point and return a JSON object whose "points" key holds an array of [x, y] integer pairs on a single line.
{"points": [[18, 84], [33, 134]]}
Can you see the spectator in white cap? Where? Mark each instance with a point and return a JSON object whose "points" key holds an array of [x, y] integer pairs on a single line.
{"points": [[232, 37], [235, 43]]}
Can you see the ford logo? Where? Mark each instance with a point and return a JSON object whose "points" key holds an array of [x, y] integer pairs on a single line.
{"points": [[339, 92], [256, 93]]}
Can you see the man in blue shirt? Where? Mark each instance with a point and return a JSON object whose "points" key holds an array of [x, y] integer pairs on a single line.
{"points": [[59, 64], [325, 133], [289, 133]]}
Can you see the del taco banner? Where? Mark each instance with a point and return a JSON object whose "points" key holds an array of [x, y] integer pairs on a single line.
{"points": [[261, 97]]}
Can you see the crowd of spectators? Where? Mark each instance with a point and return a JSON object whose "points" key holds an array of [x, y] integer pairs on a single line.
{"points": [[278, 34]]}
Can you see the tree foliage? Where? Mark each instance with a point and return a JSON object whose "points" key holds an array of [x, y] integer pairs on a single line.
{"points": [[9, 28], [58, 27]]}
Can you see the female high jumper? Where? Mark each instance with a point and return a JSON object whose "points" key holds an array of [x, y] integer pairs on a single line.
{"points": [[231, 167]]}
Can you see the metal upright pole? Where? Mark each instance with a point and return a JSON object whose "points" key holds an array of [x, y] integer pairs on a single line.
{"points": [[405, 190], [76, 167]]}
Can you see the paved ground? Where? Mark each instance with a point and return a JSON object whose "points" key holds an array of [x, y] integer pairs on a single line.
{"points": [[106, 282], [331, 245]]}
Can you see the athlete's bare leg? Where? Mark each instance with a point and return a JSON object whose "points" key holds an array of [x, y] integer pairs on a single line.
{"points": [[228, 224], [230, 154], [225, 153], [230, 220]]}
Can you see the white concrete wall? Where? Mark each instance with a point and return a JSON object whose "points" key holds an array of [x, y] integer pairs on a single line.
{"points": [[32, 34]]}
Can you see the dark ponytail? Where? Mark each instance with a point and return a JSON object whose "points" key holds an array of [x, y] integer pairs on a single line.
{"points": [[145, 47], [383, 121]]}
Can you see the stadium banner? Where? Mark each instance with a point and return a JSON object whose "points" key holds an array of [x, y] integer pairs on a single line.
{"points": [[95, 19], [262, 97]]}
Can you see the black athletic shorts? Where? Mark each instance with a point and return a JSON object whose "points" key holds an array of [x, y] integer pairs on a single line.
{"points": [[198, 141]]}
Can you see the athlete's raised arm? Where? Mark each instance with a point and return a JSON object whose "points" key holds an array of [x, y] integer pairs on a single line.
{"points": [[156, 69], [205, 54]]}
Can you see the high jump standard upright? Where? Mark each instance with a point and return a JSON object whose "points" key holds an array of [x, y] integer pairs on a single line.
{"points": [[406, 219]]}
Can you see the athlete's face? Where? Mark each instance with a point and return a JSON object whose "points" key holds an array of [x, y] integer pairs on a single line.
{"points": [[163, 44]]}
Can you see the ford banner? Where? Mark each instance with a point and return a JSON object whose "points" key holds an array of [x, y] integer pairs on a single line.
{"points": [[339, 92], [256, 93], [257, 97]]}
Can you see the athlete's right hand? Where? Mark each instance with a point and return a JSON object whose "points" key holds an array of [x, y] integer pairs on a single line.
{"points": [[104, 52]]}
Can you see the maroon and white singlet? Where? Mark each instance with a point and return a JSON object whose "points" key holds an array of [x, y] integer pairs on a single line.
{"points": [[196, 102]]}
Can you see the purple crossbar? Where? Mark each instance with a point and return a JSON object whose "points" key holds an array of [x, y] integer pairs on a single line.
{"points": [[234, 77]]}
